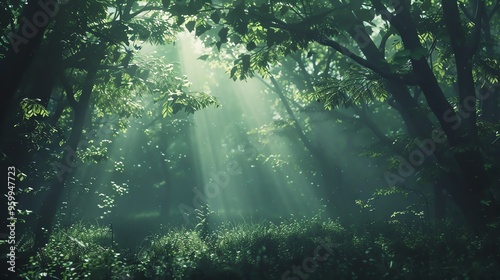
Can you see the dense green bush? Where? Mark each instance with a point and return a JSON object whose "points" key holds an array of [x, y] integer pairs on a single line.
{"points": [[270, 251], [78, 252]]}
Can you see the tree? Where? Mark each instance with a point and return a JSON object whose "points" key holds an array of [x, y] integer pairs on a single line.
{"points": [[94, 78], [409, 69]]}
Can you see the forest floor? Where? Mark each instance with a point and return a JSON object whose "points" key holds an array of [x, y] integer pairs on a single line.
{"points": [[296, 249]]}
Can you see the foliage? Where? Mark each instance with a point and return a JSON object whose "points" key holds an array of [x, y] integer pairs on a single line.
{"points": [[357, 58], [267, 250], [354, 87], [415, 212], [78, 252], [31, 108]]}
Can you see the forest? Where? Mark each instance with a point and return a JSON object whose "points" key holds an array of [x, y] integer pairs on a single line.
{"points": [[250, 139]]}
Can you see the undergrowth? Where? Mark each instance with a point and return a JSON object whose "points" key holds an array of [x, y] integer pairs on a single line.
{"points": [[296, 249]]}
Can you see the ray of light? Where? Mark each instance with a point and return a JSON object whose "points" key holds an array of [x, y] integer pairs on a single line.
{"points": [[219, 133]]}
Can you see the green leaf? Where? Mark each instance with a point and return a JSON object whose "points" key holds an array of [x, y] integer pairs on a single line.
{"points": [[180, 20], [21, 176], [241, 27], [215, 16], [235, 38], [190, 26], [167, 110], [223, 34], [194, 7], [204, 57], [251, 46], [233, 71], [245, 63], [202, 29], [231, 16]]}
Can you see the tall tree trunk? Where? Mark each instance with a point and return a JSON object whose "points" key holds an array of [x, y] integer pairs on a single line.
{"points": [[418, 124], [41, 82], [467, 194], [48, 209], [19, 57]]}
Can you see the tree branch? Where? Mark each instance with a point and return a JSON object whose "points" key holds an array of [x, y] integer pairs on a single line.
{"points": [[70, 94], [302, 67], [476, 33], [383, 42], [146, 9], [363, 62]]}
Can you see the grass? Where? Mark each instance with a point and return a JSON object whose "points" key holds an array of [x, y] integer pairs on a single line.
{"points": [[313, 248]]}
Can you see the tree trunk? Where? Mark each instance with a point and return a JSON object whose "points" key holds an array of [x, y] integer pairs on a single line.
{"points": [[48, 209], [18, 58], [467, 194]]}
